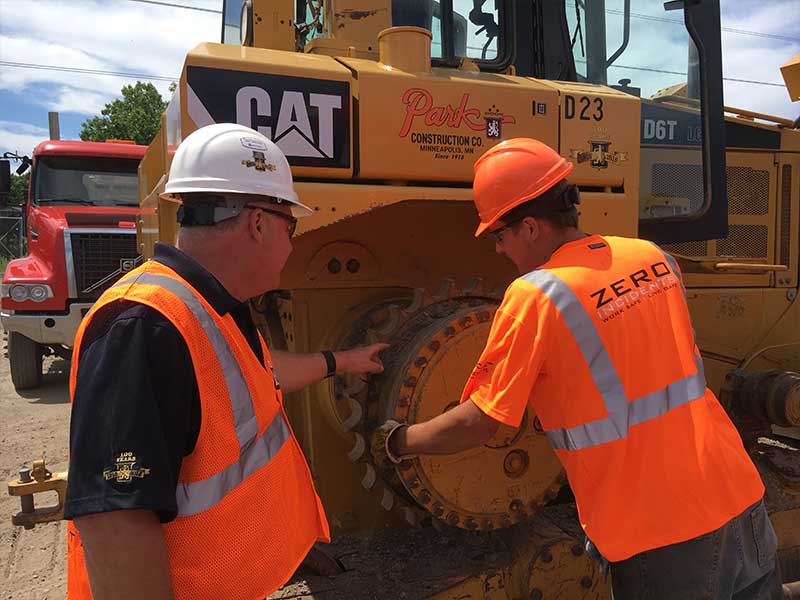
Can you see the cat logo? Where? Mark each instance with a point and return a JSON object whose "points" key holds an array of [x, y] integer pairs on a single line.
{"points": [[125, 469], [307, 118], [259, 162]]}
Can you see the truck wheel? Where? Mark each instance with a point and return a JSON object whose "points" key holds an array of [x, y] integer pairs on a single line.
{"points": [[25, 356]]}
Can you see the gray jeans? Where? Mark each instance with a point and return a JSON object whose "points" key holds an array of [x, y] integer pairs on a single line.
{"points": [[735, 562]]}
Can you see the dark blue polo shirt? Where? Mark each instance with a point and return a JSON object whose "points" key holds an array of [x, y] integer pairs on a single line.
{"points": [[136, 411]]}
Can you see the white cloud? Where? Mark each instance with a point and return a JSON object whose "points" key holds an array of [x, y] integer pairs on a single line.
{"points": [[128, 37], [20, 137], [759, 58], [135, 37], [69, 99]]}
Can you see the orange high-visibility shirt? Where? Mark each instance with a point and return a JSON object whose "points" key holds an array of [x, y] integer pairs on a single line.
{"points": [[247, 509], [598, 341]]}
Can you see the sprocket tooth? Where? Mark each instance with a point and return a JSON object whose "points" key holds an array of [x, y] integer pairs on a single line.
{"points": [[373, 337], [388, 500], [474, 287], [359, 449], [355, 386], [412, 516], [417, 302], [356, 412], [446, 290], [393, 320], [370, 477]]}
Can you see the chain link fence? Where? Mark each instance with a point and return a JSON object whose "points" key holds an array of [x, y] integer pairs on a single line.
{"points": [[12, 235]]}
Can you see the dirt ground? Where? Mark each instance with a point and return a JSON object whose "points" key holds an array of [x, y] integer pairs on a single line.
{"points": [[32, 425]]}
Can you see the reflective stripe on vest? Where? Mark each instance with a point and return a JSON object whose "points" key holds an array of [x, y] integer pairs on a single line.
{"points": [[254, 452], [622, 414]]}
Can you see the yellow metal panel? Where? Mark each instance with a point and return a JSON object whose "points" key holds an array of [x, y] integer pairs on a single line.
{"points": [[434, 126], [789, 228], [358, 22], [240, 59], [273, 24], [790, 71], [734, 322], [152, 175], [607, 213], [591, 115]]}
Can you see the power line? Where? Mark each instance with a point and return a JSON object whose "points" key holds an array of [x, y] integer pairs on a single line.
{"points": [[184, 6], [20, 65], [162, 78], [615, 11], [683, 74], [780, 85]]}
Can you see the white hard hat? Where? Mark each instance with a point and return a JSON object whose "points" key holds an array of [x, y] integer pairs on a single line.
{"points": [[227, 158]]}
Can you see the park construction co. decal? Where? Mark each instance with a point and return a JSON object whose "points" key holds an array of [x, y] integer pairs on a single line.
{"points": [[309, 119], [446, 131]]}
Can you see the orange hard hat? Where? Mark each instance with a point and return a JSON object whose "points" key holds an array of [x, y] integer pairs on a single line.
{"points": [[514, 172]]}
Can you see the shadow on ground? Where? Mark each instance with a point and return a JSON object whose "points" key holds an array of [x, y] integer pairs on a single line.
{"points": [[55, 384]]}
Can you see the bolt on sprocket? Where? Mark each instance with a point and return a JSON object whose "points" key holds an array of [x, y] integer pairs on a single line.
{"points": [[435, 342]]}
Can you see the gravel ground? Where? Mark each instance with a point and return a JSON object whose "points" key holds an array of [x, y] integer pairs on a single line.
{"points": [[33, 425]]}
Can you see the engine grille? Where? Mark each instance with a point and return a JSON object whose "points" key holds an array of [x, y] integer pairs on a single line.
{"points": [[745, 241], [99, 259], [698, 248]]}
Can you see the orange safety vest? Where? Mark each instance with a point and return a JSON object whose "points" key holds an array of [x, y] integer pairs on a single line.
{"points": [[247, 509], [652, 457]]}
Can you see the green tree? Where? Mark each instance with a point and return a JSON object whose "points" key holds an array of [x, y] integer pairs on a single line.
{"points": [[19, 189], [136, 116]]}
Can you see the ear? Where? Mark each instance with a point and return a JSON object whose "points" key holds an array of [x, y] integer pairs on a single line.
{"points": [[256, 225], [531, 226]]}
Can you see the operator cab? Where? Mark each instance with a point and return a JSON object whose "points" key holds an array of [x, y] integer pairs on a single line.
{"points": [[668, 54]]}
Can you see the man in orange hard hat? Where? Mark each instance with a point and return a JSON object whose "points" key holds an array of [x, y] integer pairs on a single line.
{"points": [[595, 335]]}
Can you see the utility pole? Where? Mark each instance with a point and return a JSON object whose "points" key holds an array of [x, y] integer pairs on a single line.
{"points": [[55, 130]]}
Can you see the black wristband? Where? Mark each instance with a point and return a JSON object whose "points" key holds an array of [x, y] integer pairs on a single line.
{"points": [[330, 361]]}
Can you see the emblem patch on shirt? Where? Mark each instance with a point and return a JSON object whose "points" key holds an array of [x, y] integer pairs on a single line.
{"points": [[125, 469]]}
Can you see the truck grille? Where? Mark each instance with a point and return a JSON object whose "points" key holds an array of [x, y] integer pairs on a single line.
{"points": [[99, 259]]}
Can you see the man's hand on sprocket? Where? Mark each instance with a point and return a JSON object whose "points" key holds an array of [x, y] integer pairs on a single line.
{"points": [[383, 452], [364, 359]]}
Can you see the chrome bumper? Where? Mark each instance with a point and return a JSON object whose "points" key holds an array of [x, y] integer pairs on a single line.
{"points": [[46, 329]]}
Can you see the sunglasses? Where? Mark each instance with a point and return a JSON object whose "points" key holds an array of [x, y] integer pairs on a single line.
{"points": [[292, 221]]}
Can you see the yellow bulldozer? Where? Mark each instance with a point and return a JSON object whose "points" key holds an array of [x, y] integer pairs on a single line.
{"points": [[382, 107]]}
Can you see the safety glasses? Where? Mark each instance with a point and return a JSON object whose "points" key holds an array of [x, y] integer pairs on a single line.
{"points": [[497, 234], [292, 221]]}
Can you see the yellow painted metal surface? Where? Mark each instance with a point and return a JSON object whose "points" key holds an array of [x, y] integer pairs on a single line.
{"points": [[790, 71], [396, 221], [225, 68], [273, 24], [432, 126], [358, 22]]}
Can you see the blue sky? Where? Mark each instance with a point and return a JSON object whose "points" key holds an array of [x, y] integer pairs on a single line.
{"points": [[140, 38]]}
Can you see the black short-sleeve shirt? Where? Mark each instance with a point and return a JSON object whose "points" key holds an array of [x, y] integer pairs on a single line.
{"points": [[136, 410]]}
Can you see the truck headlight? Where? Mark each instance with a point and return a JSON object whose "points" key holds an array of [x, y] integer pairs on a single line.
{"points": [[21, 292], [39, 293]]}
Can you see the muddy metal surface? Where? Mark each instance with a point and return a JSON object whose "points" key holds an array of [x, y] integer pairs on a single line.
{"points": [[32, 425]]}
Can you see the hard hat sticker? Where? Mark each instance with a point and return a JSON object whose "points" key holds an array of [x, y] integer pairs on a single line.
{"points": [[253, 143], [259, 162]]}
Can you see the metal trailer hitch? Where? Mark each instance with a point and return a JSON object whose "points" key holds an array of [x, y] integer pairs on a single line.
{"points": [[35, 481]]}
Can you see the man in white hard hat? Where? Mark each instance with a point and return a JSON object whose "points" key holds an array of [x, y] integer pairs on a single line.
{"points": [[186, 480]]}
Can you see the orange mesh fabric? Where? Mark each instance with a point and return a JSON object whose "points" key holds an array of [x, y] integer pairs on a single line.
{"points": [[251, 541]]}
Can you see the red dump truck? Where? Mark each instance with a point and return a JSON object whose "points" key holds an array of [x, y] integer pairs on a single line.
{"points": [[80, 222]]}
